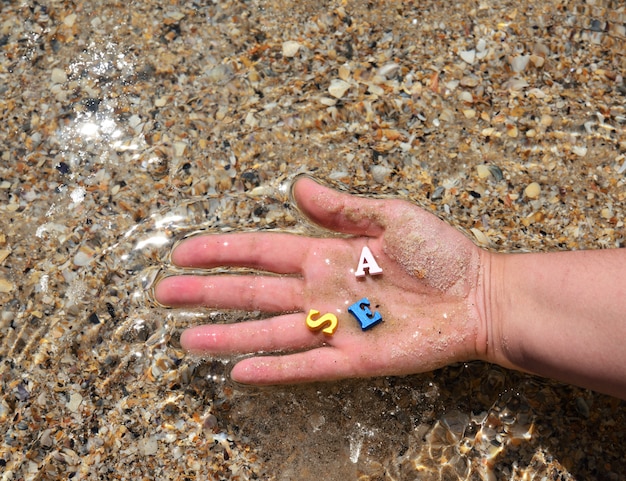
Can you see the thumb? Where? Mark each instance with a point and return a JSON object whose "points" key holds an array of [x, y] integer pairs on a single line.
{"points": [[340, 212]]}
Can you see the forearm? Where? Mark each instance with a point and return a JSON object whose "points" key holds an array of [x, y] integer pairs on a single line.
{"points": [[561, 315]]}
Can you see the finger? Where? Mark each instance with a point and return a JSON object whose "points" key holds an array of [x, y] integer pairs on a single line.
{"points": [[281, 333], [245, 292], [273, 252], [321, 364], [345, 213]]}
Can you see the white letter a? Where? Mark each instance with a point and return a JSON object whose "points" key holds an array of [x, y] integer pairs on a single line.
{"points": [[368, 262]]}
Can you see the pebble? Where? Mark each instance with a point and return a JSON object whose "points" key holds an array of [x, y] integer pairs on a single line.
{"points": [[389, 70], [84, 256], [480, 237], [483, 171], [537, 60], [582, 407], [70, 20], [344, 72], [338, 175], [532, 190], [512, 130], [375, 89], [5, 285], [179, 149], [175, 15], [150, 446], [380, 173], [468, 56], [466, 96], [481, 46], [58, 76], [328, 101], [74, 402], [469, 113], [447, 115], [290, 48], [496, 172], [546, 120], [519, 63], [219, 73], [516, 84], [338, 88], [469, 81]]}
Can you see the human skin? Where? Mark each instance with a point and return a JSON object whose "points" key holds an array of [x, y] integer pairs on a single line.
{"points": [[442, 299], [562, 315]]}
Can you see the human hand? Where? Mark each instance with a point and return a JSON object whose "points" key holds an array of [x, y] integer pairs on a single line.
{"points": [[430, 293]]}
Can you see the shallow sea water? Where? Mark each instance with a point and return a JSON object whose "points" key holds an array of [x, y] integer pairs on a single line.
{"points": [[128, 126]]}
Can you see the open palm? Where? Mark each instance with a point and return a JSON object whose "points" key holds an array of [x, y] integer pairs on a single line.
{"points": [[429, 293]]}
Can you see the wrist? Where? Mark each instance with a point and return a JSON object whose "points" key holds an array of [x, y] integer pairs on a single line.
{"points": [[490, 300]]}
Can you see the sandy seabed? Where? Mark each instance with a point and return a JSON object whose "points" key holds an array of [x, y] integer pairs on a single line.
{"points": [[127, 125]]}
